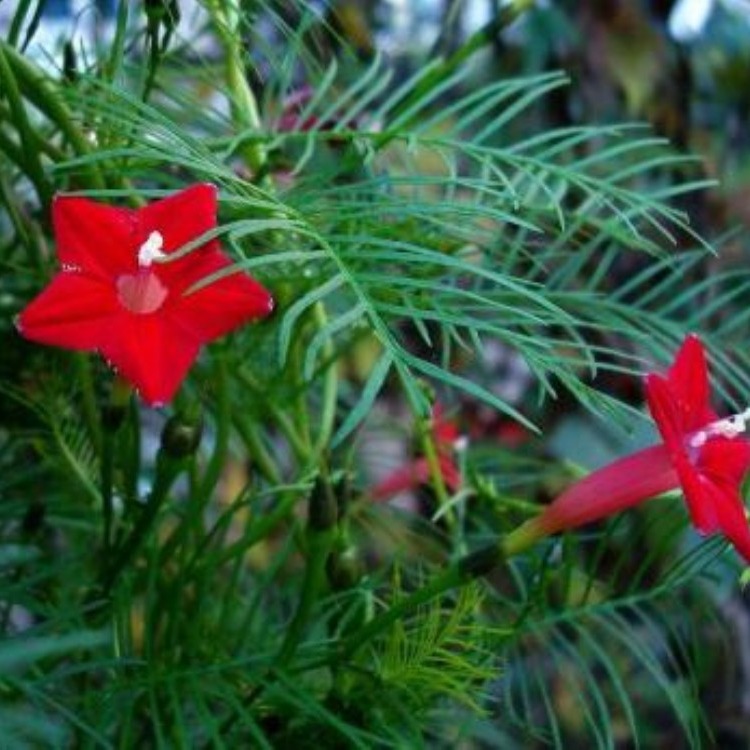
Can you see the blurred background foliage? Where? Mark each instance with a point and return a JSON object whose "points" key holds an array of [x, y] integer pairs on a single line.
{"points": [[482, 198]]}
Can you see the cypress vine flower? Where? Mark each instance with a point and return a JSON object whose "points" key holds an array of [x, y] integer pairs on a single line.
{"points": [[447, 440], [118, 293], [705, 456]]}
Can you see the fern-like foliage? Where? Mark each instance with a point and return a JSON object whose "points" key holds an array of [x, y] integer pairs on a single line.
{"points": [[602, 664], [420, 218], [464, 232]]}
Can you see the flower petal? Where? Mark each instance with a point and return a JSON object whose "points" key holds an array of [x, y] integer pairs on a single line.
{"points": [[219, 307], [151, 354], [699, 500], [688, 384], [664, 410], [75, 311], [730, 513], [95, 237], [725, 460], [180, 218]]}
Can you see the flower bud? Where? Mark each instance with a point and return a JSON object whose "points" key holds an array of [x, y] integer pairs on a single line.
{"points": [[344, 568], [162, 12], [323, 510], [70, 63], [181, 435]]}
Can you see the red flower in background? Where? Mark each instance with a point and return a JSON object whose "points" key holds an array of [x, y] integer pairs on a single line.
{"points": [[701, 454], [114, 294], [446, 436]]}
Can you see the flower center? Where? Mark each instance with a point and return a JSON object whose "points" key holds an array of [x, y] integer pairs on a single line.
{"points": [[730, 427], [141, 293]]}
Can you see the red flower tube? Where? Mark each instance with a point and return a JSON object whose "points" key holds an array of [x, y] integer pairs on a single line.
{"points": [[116, 295], [701, 454]]}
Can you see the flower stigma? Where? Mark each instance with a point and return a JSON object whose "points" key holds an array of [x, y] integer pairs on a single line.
{"points": [[150, 250], [729, 427]]}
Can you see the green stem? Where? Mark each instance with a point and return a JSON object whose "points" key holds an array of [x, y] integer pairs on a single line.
{"points": [[40, 91], [114, 63], [107, 475], [256, 450], [23, 232], [522, 538], [608, 490], [429, 450], [223, 425], [167, 470], [330, 387], [321, 535], [245, 114], [450, 578], [19, 16], [88, 391], [301, 423], [42, 144], [132, 456], [112, 416], [286, 426], [261, 528], [29, 138], [319, 545], [467, 568], [477, 41]]}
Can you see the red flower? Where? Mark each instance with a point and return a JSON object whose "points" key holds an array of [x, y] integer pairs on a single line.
{"points": [[115, 294], [701, 454], [709, 459], [446, 436]]}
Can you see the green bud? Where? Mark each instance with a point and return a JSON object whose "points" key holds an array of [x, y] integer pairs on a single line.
{"points": [[323, 510], [70, 63], [344, 568], [165, 12], [181, 435]]}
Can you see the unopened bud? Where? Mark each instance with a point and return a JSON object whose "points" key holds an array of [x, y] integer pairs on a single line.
{"points": [[70, 63], [165, 12], [181, 435], [344, 568], [323, 510]]}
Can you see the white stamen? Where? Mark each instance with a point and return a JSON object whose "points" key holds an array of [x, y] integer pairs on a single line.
{"points": [[151, 250], [729, 427]]}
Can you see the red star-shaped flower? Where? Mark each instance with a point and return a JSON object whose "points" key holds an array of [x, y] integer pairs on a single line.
{"points": [[118, 293], [705, 451], [703, 455]]}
